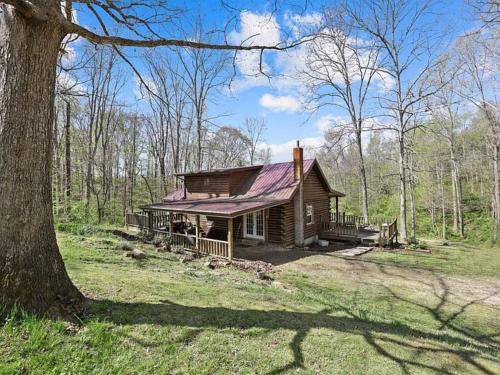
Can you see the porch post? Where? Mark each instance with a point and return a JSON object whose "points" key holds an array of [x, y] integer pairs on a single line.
{"points": [[230, 238], [337, 209], [150, 221], [197, 232], [170, 222]]}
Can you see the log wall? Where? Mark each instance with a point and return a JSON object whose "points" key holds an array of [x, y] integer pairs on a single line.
{"points": [[316, 195]]}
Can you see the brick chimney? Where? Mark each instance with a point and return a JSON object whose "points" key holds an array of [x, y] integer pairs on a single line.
{"points": [[298, 199], [298, 162]]}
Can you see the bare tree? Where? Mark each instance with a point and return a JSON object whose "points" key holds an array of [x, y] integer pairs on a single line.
{"points": [[253, 131], [204, 74], [480, 86], [405, 33], [446, 107], [340, 70], [227, 148], [32, 273]]}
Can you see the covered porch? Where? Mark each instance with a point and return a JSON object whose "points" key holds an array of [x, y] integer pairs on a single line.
{"points": [[183, 232], [207, 226]]}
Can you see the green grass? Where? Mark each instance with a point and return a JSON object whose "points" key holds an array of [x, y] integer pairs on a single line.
{"points": [[382, 313], [456, 258]]}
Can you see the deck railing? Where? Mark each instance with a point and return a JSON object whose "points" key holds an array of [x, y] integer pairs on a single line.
{"points": [[214, 247], [340, 229], [137, 220], [160, 225], [342, 218]]}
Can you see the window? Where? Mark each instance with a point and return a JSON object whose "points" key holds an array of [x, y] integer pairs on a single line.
{"points": [[309, 214], [254, 225]]}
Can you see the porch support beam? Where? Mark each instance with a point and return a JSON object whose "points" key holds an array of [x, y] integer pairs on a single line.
{"points": [[170, 222], [336, 208], [230, 238], [197, 232]]}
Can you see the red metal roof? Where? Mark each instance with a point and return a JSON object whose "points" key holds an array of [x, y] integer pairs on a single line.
{"points": [[272, 185]]}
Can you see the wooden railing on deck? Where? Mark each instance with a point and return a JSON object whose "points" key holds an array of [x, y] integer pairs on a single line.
{"points": [[349, 230], [136, 220], [186, 241], [214, 247], [388, 233], [342, 218]]}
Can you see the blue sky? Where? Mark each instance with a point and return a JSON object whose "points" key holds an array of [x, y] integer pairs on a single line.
{"points": [[278, 100]]}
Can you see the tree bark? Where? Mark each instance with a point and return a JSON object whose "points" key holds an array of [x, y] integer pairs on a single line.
{"points": [[67, 135], [362, 177], [402, 189], [32, 271], [411, 184]]}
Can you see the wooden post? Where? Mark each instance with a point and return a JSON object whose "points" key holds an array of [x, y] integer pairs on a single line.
{"points": [[337, 209], [197, 233], [150, 221], [170, 223], [230, 238]]}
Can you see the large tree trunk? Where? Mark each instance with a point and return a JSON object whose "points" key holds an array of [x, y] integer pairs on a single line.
{"points": [[32, 272]]}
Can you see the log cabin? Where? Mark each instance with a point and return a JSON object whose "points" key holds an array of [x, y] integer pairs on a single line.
{"points": [[289, 204]]}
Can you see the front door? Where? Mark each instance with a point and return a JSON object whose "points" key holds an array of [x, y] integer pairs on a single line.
{"points": [[254, 225]]}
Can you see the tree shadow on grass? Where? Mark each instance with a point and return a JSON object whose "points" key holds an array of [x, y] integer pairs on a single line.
{"points": [[465, 346]]}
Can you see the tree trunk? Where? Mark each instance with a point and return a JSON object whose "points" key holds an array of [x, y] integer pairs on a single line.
{"points": [[32, 272], [411, 182], [362, 177], [496, 190], [402, 189], [67, 129]]}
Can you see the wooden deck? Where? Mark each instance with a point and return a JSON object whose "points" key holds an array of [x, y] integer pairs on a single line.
{"points": [[363, 236], [349, 228]]}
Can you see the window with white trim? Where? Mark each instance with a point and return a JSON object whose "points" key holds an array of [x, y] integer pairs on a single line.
{"points": [[254, 225], [309, 214]]}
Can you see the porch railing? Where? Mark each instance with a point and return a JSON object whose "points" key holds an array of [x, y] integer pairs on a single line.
{"points": [[160, 225], [342, 218], [214, 247], [134, 219], [340, 229]]}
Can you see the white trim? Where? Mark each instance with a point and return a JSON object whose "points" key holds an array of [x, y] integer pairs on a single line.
{"points": [[254, 219]]}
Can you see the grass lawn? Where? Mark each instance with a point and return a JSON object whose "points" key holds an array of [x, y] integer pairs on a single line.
{"points": [[382, 313]]}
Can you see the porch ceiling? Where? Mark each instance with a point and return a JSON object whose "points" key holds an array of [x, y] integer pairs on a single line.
{"points": [[224, 207]]}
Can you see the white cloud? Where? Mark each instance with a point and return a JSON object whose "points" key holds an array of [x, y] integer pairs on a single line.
{"points": [[286, 103], [255, 29], [327, 122], [298, 23], [284, 151]]}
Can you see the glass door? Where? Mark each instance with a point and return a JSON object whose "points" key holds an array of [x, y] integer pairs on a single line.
{"points": [[254, 225]]}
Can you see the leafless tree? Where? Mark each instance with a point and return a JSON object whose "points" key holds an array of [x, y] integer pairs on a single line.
{"points": [[340, 70], [404, 30], [253, 131], [227, 148], [480, 85]]}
